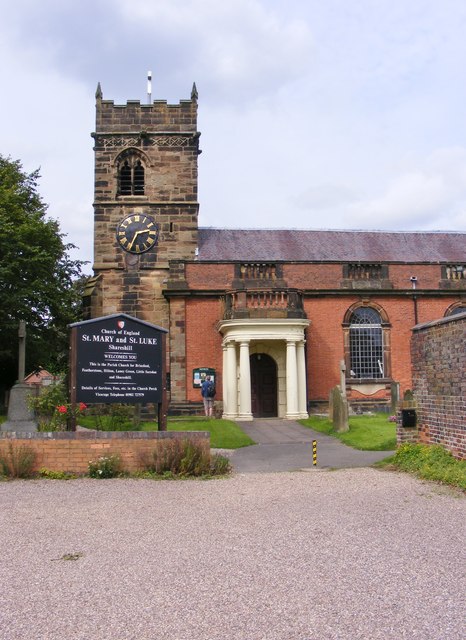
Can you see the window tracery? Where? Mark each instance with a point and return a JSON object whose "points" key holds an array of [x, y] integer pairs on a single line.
{"points": [[366, 335]]}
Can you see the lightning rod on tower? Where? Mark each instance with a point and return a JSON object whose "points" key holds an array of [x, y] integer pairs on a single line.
{"points": [[149, 87]]}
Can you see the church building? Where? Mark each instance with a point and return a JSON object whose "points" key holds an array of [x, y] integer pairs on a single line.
{"points": [[275, 315]]}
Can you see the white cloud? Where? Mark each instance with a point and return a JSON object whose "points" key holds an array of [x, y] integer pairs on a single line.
{"points": [[420, 198], [239, 47], [326, 196]]}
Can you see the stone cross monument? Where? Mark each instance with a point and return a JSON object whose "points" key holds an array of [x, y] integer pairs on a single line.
{"points": [[20, 416]]}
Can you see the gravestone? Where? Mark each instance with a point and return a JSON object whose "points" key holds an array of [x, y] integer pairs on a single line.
{"points": [[339, 402], [339, 410], [395, 396]]}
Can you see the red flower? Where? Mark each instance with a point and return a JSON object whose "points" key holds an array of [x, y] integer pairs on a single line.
{"points": [[62, 409], [82, 406]]}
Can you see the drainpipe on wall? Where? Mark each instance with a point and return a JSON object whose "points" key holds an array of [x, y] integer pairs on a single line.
{"points": [[413, 283]]}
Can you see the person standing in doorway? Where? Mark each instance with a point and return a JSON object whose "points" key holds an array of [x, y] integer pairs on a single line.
{"points": [[208, 394]]}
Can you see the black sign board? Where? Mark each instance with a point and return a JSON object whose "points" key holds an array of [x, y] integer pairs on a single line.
{"points": [[118, 359]]}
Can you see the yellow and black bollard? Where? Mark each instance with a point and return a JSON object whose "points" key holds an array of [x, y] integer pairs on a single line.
{"points": [[314, 453]]}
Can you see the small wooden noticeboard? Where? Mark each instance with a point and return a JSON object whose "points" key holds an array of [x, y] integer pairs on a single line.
{"points": [[199, 375], [121, 359]]}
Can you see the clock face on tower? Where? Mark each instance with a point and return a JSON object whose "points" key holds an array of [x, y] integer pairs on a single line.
{"points": [[137, 233]]}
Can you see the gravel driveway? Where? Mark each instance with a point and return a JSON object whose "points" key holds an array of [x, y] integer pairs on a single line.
{"points": [[350, 554]]}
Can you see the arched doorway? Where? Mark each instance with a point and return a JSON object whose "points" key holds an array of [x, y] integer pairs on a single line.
{"points": [[263, 386]]}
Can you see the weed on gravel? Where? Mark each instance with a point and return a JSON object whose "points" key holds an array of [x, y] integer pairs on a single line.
{"points": [[429, 462]]}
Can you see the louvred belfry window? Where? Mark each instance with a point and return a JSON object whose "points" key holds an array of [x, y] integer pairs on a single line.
{"points": [[131, 177]]}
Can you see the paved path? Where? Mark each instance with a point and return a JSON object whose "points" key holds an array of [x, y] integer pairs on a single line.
{"points": [[284, 445]]}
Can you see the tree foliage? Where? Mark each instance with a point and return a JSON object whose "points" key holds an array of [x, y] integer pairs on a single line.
{"points": [[39, 283]]}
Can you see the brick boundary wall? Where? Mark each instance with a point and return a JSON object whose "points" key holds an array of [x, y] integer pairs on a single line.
{"points": [[438, 356], [71, 451]]}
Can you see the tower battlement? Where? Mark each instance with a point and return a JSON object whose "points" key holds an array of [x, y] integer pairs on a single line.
{"points": [[157, 116]]}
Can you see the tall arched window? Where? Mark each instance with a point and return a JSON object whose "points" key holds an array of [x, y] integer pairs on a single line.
{"points": [[366, 344], [457, 308], [131, 177]]}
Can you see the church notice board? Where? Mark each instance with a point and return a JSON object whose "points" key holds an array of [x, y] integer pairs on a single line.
{"points": [[117, 358]]}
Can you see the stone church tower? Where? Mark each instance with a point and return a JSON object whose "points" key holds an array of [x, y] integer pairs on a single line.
{"points": [[145, 203]]}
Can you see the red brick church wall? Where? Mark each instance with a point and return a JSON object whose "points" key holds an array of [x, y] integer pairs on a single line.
{"points": [[203, 342], [325, 336]]}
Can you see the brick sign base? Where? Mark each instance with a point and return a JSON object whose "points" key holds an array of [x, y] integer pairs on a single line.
{"points": [[72, 451]]}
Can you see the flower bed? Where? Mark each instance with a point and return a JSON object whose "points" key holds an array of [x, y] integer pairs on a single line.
{"points": [[71, 451]]}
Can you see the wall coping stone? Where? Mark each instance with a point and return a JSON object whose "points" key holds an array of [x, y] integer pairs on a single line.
{"points": [[101, 435], [434, 323]]}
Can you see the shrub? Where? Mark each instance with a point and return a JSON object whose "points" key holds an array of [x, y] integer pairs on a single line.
{"points": [[183, 457], [48, 399], [55, 475], [52, 408], [106, 467], [165, 457], [18, 462], [196, 460], [220, 465]]}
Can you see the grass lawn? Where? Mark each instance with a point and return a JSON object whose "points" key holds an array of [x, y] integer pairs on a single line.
{"points": [[224, 434], [368, 433]]}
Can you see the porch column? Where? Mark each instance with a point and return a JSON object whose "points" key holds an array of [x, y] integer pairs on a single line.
{"points": [[230, 383], [224, 377], [291, 381], [244, 383], [302, 404]]}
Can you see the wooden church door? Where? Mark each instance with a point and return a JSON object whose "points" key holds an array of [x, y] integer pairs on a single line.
{"points": [[263, 386]]}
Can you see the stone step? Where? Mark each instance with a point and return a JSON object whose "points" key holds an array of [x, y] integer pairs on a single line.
{"points": [[186, 409]]}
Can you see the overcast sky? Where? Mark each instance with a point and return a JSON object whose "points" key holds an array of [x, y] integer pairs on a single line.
{"points": [[314, 114]]}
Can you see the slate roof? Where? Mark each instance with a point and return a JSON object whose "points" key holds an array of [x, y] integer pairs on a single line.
{"points": [[331, 246]]}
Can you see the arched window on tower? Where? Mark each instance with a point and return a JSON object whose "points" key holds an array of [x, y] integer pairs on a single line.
{"points": [[131, 177], [366, 344], [456, 308]]}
